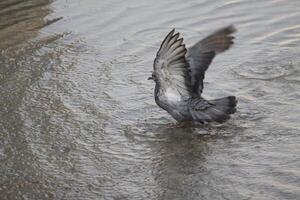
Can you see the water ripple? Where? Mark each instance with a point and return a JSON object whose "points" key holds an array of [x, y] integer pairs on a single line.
{"points": [[78, 119]]}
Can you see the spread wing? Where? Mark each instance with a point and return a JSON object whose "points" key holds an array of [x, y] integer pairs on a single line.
{"points": [[170, 66], [202, 53]]}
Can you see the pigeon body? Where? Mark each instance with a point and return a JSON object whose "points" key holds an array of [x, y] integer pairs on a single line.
{"points": [[179, 73]]}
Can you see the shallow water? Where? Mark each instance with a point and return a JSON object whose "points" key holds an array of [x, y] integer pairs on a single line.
{"points": [[78, 119]]}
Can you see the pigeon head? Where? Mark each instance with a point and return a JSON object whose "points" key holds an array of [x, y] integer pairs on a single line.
{"points": [[152, 77]]}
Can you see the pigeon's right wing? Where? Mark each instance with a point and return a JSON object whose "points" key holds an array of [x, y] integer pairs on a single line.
{"points": [[202, 53], [170, 66]]}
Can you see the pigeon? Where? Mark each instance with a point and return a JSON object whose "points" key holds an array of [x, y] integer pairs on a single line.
{"points": [[178, 75]]}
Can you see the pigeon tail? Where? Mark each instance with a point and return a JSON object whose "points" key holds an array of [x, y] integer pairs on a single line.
{"points": [[217, 110], [222, 108]]}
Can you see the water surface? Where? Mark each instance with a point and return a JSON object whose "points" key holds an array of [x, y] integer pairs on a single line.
{"points": [[78, 119]]}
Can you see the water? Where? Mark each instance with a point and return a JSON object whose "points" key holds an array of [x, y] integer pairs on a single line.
{"points": [[78, 119]]}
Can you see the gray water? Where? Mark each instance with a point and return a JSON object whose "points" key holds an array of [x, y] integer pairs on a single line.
{"points": [[78, 119]]}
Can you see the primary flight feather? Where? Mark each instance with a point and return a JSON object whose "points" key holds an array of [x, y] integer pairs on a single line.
{"points": [[179, 73]]}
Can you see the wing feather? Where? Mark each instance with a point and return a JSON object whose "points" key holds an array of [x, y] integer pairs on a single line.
{"points": [[170, 66], [172, 40], [202, 53]]}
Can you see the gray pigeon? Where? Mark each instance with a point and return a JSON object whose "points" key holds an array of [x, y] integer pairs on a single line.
{"points": [[179, 73]]}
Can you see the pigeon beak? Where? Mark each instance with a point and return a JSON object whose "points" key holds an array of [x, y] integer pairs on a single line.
{"points": [[150, 78]]}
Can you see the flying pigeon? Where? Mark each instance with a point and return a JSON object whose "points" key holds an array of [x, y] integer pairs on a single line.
{"points": [[178, 75]]}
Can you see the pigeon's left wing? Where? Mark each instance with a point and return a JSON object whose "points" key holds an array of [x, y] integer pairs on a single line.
{"points": [[202, 53], [170, 66]]}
